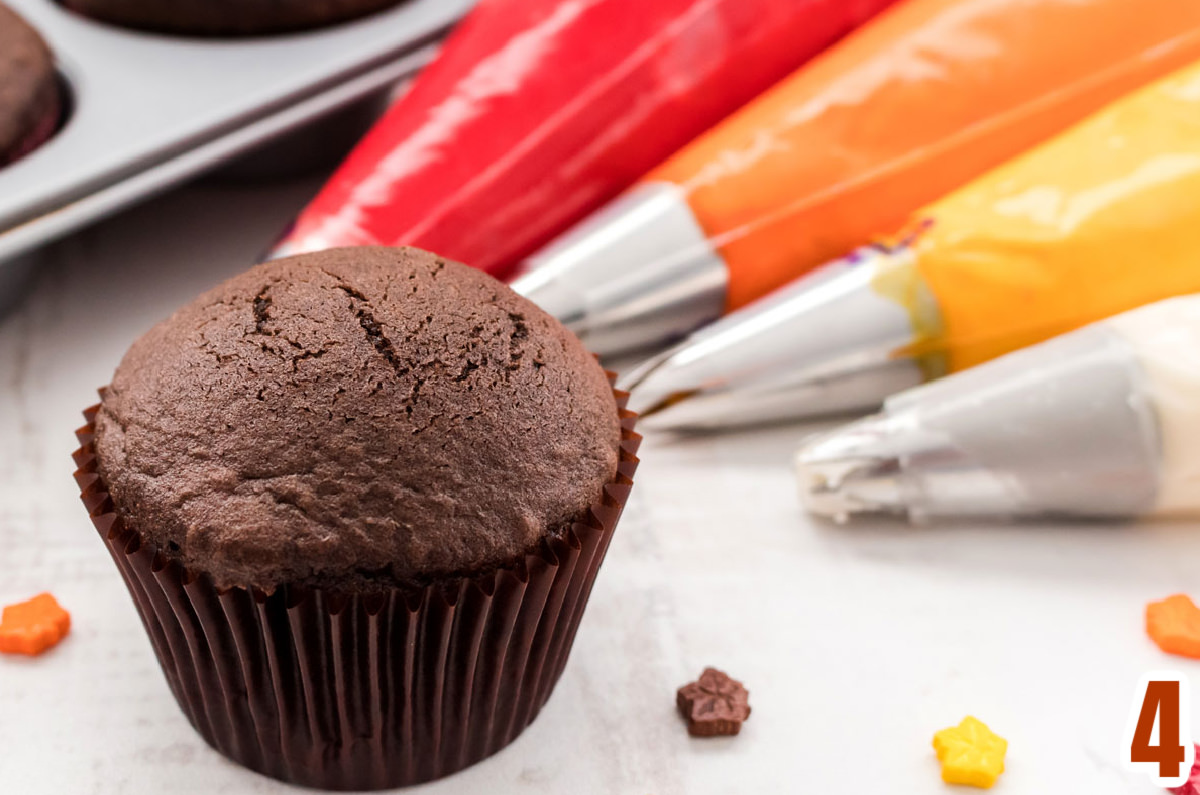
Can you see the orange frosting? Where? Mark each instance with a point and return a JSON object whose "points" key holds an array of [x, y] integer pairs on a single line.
{"points": [[918, 102]]}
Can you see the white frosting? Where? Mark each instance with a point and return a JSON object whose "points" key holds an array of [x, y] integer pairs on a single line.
{"points": [[1165, 337]]}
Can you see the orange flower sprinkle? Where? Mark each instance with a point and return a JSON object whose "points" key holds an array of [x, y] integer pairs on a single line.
{"points": [[1174, 624], [33, 627]]}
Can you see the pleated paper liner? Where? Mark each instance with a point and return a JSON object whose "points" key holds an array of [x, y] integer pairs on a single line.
{"points": [[364, 692]]}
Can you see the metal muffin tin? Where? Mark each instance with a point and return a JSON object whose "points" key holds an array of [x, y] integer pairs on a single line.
{"points": [[147, 111]]}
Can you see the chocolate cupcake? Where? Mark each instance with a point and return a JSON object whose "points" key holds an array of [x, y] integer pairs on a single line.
{"points": [[226, 17], [29, 96], [359, 498]]}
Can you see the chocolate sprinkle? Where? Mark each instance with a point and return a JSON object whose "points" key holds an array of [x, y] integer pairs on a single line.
{"points": [[713, 705]]}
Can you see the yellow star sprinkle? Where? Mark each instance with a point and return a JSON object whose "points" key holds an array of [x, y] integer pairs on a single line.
{"points": [[970, 753]]}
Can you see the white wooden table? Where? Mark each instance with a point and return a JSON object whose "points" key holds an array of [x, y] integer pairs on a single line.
{"points": [[856, 643]]}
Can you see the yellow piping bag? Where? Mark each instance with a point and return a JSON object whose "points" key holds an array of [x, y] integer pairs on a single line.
{"points": [[1099, 220], [926, 97]]}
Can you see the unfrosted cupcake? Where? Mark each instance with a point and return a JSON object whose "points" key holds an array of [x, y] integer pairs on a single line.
{"points": [[29, 96], [359, 498], [226, 17]]}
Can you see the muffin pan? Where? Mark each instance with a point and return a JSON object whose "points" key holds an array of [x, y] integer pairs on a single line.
{"points": [[148, 111]]}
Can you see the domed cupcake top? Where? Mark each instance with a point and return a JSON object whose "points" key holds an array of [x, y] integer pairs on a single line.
{"points": [[355, 415], [28, 90], [226, 17]]}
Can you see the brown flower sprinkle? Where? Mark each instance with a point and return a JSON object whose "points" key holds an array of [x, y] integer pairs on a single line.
{"points": [[714, 704]]}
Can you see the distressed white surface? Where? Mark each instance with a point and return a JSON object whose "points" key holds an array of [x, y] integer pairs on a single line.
{"points": [[856, 643]]}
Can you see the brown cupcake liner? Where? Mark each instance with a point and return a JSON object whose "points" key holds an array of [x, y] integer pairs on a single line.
{"points": [[364, 691]]}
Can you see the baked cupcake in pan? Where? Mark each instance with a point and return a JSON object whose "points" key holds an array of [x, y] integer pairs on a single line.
{"points": [[30, 105], [226, 17], [359, 498]]}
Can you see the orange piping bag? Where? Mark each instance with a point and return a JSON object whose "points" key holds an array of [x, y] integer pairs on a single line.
{"points": [[924, 98], [538, 111], [1096, 221]]}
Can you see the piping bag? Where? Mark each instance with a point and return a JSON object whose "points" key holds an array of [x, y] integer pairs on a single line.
{"points": [[927, 96], [1099, 422], [537, 111], [1098, 220]]}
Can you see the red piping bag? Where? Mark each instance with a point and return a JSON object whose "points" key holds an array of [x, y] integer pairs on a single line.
{"points": [[536, 112]]}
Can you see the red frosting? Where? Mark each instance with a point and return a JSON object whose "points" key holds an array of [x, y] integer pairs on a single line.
{"points": [[539, 111]]}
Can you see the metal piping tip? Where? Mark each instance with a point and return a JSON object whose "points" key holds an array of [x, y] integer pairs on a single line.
{"points": [[281, 251], [769, 401], [1062, 428], [850, 471], [650, 385], [824, 345], [638, 274], [556, 295], [293, 246], [655, 307]]}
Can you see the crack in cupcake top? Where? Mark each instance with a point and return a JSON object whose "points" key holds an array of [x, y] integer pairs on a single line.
{"points": [[352, 415]]}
